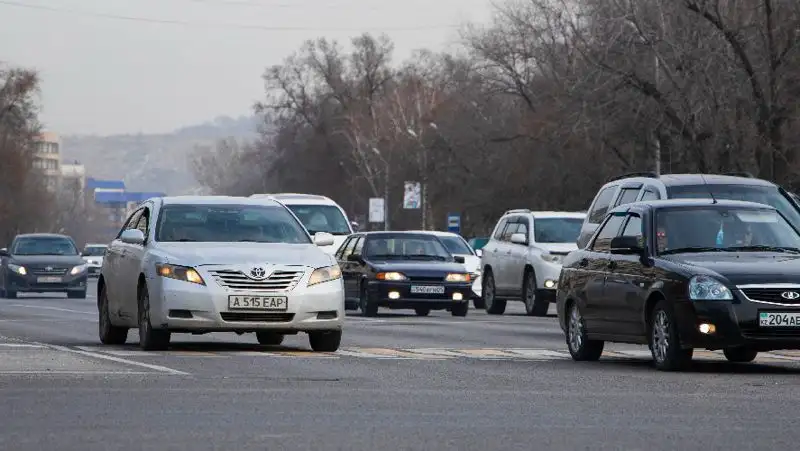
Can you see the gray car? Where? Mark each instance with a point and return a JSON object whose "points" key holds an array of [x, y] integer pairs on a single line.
{"points": [[42, 263], [201, 264]]}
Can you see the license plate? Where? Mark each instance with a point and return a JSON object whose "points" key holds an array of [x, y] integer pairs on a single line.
{"points": [[779, 319], [49, 279], [258, 302], [422, 289]]}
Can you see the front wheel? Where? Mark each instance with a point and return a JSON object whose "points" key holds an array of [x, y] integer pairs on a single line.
{"points": [[534, 305], [581, 348], [460, 309], [327, 341], [665, 343], [150, 339], [269, 338], [493, 305], [740, 354], [422, 311]]}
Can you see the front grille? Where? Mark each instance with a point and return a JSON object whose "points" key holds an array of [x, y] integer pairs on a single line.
{"points": [[260, 317], [49, 271], [426, 279], [773, 295], [237, 280]]}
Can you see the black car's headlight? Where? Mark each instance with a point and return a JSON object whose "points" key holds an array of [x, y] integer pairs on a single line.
{"points": [[457, 277], [325, 274], [19, 269], [78, 269], [705, 288], [391, 276], [177, 272]]}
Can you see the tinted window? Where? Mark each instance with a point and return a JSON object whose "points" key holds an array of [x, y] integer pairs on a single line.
{"points": [[321, 218], [94, 251], [609, 231], [633, 227], [229, 223], [498, 233], [650, 195], [768, 195], [731, 228], [557, 230], [346, 249], [40, 245], [406, 247], [601, 205], [511, 228], [455, 245], [628, 196]]}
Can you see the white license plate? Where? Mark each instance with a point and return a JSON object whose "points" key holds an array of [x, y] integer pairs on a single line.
{"points": [[779, 319], [258, 302], [48, 279], [423, 289]]}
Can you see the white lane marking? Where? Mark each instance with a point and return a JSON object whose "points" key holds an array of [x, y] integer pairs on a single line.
{"points": [[121, 353], [52, 308], [538, 354], [82, 373], [20, 345], [120, 360]]}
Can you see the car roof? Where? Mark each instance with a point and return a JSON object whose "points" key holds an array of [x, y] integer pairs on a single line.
{"points": [[42, 235], [434, 232], [677, 203], [694, 179], [216, 200], [547, 214], [396, 232], [297, 198]]}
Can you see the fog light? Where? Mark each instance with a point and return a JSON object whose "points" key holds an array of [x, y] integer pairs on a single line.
{"points": [[549, 283], [706, 328], [458, 297], [394, 295]]}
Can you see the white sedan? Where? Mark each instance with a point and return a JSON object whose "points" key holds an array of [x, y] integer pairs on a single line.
{"points": [[219, 264]]}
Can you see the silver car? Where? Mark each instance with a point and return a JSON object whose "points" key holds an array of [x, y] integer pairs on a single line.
{"points": [[219, 264]]}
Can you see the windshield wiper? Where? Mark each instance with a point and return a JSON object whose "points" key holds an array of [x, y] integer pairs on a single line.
{"points": [[766, 248], [184, 240], [691, 249], [426, 257]]}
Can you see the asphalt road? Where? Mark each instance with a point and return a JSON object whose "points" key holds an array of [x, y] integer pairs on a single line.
{"points": [[399, 382]]}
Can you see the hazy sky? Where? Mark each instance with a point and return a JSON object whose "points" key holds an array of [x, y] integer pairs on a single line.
{"points": [[104, 75]]}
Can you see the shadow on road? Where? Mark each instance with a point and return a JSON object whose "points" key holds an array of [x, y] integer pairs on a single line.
{"points": [[698, 367]]}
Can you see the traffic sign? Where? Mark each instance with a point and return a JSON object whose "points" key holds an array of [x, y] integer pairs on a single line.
{"points": [[454, 223], [376, 209]]}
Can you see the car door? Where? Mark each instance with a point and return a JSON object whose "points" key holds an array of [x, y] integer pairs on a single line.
{"points": [[347, 266], [626, 284], [132, 257], [519, 255], [490, 254], [113, 267], [596, 265], [505, 260]]}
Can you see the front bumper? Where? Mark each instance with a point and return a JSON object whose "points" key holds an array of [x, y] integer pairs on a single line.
{"points": [[547, 274], [379, 293], [188, 307], [31, 283], [736, 323], [477, 288]]}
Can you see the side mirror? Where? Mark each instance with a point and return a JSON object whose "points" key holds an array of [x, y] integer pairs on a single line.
{"points": [[354, 258], [459, 259], [132, 236], [479, 252], [626, 245], [323, 239], [4, 253], [519, 238]]}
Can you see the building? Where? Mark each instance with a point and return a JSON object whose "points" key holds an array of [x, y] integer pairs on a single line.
{"points": [[114, 202], [73, 182], [47, 158]]}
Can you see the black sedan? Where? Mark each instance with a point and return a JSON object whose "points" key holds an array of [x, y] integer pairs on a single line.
{"points": [[42, 263], [684, 274], [403, 270]]}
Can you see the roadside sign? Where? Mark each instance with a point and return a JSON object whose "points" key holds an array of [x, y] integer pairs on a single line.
{"points": [[376, 209], [412, 195], [454, 223]]}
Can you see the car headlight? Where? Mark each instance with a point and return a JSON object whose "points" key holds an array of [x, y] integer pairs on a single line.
{"points": [[325, 274], [17, 269], [704, 288], [78, 269], [391, 276], [457, 277], [183, 273], [552, 258]]}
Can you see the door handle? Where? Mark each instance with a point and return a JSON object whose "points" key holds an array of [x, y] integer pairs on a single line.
{"points": [[583, 263]]}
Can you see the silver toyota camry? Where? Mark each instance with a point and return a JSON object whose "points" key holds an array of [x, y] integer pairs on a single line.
{"points": [[201, 264]]}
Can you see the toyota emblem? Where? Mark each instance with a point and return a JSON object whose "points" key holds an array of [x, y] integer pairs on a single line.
{"points": [[50, 268], [790, 295], [258, 273]]}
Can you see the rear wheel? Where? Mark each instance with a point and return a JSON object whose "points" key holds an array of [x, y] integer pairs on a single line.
{"points": [[581, 348], [422, 311], [150, 339], [109, 333], [460, 309], [325, 341], [665, 343], [494, 306], [740, 354], [269, 338]]}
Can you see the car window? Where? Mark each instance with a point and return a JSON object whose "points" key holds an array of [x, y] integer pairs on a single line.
{"points": [[346, 249], [133, 219], [628, 196], [650, 195], [456, 245], [608, 231], [144, 220], [601, 204], [321, 218], [94, 251], [511, 229], [557, 230], [522, 227], [359, 247], [406, 247], [633, 227], [44, 245], [498, 233]]}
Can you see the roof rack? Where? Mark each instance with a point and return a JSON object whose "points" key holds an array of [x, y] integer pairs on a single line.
{"points": [[518, 210], [651, 175], [740, 174]]}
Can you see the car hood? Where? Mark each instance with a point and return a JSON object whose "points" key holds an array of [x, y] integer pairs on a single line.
{"points": [[46, 260], [471, 262], [196, 254], [418, 268], [558, 248], [742, 267]]}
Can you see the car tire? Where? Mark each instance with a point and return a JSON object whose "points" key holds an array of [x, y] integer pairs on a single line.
{"points": [[325, 341], [76, 294], [367, 308], [581, 348], [740, 354], [269, 338], [665, 342], [534, 305], [150, 339], [460, 309], [492, 305], [422, 311], [109, 333]]}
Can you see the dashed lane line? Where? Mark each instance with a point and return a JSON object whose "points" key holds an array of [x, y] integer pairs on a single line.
{"points": [[104, 356]]}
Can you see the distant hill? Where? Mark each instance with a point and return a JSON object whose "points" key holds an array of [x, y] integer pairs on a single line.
{"points": [[157, 162]]}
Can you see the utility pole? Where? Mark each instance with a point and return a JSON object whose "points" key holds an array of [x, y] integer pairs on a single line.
{"points": [[657, 135], [386, 186]]}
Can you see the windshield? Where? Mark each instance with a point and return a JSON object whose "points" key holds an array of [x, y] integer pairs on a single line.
{"points": [[708, 229], [455, 245], [94, 251], [322, 218], [229, 223], [406, 247], [557, 230], [44, 246], [768, 195]]}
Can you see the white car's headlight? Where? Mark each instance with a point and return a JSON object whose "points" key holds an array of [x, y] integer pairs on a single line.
{"points": [[17, 269], [78, 269], [326, 274], [704, 288], [552, 258], [391, 276], [177, 272], [457, 277]]}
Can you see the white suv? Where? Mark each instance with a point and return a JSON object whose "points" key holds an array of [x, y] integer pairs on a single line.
{"points": [[522, 260], [318, 214]]}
